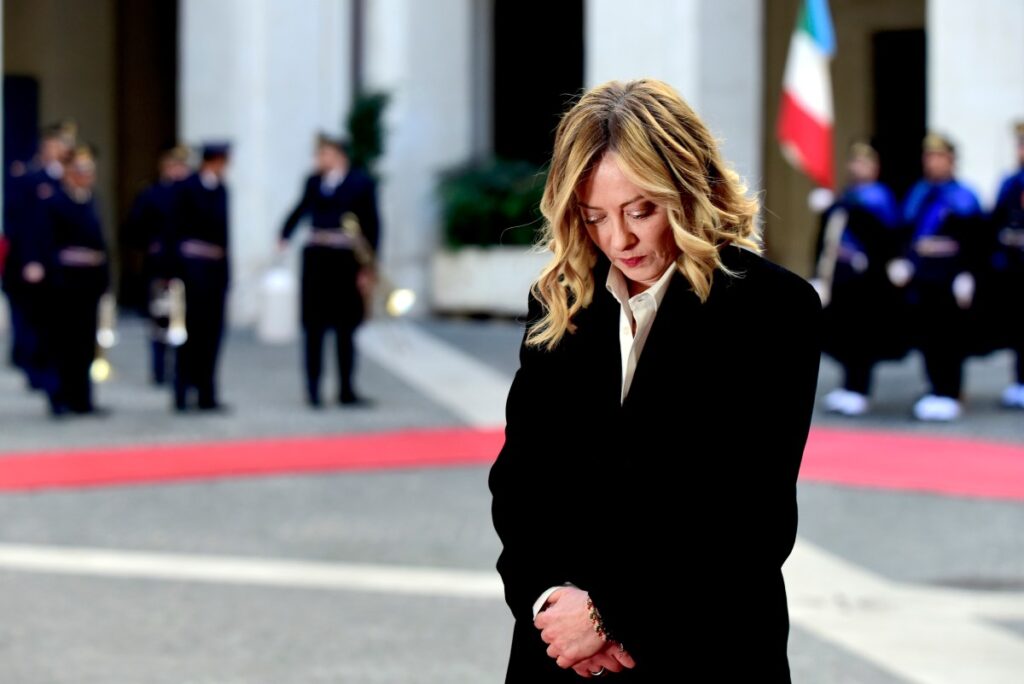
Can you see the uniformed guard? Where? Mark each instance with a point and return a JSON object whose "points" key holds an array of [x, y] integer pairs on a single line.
{"points": [[75, 262], [862, 316], [1007, 221], [334, 280], [200, 236], [939, 268], [24, 271], [149, 229]]}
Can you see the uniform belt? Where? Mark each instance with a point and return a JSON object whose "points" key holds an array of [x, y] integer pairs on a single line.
{"points": [[1012, 237], [200, 249], [81, 257], [331, 237], [936, 246]]}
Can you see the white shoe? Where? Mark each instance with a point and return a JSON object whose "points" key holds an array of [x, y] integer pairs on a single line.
{"points": [[1013, 396], [937, 409], [834, 399], [847, 403]]}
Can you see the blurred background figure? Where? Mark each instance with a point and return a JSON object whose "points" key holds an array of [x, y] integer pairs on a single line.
{"points": [[75, 256], [200, 239], [938, 266], [24, 270], [148, 229], [1008, 269], [863, 314], [335, 279]]}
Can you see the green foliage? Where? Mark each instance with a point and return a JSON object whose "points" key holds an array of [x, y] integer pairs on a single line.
{"points": [[366, 130], [492, 203]]}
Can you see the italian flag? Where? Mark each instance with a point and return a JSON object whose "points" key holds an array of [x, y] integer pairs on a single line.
{"points": [[805, 113]]}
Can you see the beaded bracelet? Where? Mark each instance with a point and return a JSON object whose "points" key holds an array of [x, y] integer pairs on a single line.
{"points": [[595, 617]]}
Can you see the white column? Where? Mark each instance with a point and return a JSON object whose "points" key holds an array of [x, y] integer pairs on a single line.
{"points": [[266, 76], [712, 53], [976, 84], [422, 54], [661, 42], [732, 81]]}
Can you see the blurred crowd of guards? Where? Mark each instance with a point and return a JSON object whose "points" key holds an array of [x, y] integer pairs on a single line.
{"points": [[56, 271], [936, 272], [55, 268]]}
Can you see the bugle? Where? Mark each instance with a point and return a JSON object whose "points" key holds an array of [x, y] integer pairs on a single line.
{"points": [[106, 337], [398, 301]]}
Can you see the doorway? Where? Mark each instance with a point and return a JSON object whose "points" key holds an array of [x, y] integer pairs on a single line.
{"points": [[111, 67], [899, 116], [538, 69]]}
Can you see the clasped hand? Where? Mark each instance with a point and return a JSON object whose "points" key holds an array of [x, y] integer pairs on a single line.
{"points": [[566, 627]]}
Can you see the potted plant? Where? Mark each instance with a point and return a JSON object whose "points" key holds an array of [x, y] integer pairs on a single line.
{"points": [[491, 222]]}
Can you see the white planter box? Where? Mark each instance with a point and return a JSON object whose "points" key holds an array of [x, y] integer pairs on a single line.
{"points": [[491, 280]]}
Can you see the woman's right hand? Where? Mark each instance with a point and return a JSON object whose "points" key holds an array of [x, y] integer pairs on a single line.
{"points": [[33, 272], [612, 658]]}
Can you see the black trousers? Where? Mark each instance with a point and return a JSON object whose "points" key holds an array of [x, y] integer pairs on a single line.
{"points": [[864, 323], [857, 375], [345, 349], [330, 301], [72, 340], [159, 351], [1013, 290], [196, 360], [942, 337]]}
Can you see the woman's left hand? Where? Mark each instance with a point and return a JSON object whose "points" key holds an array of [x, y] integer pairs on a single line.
{"points": [[612, 658], [567, 628]]}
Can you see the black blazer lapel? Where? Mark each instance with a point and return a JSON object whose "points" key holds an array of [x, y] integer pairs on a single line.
{"points": [[680, 309], [605, 360]]}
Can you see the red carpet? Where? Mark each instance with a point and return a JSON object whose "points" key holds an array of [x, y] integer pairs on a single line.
{"points": [[889, 460], [212, 460], [958, 467]]}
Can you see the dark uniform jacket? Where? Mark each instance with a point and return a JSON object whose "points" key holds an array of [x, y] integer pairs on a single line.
{"points": [[201, 214], [676, 509], [356, 193], [150, 227], [330, 296]]}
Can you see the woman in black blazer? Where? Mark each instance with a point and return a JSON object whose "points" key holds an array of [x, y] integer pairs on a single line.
{"points": [[646, 501]]}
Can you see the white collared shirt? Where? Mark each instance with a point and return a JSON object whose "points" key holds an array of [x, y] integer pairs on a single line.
{"points": [[331, 180], [209, 180], [639, 309], [55, 170]]}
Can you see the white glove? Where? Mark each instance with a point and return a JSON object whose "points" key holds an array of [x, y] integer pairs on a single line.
{"points": [[900, 271], [963, 289], [824, 293]]}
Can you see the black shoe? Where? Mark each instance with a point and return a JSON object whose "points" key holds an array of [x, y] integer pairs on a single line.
{"points": [[95, 411], [58, 411], [354, 401], [216, 407], [314, 402]]}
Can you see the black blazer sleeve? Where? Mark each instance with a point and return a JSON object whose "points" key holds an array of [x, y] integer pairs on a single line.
{"points": [[530, 561], [304, 206]]}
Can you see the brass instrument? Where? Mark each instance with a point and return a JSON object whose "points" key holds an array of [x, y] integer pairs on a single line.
{"points": [[167, 310], [399, 300], [177, 334], [106, 337]]}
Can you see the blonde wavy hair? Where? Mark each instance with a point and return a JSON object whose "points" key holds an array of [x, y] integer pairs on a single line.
{"points": [[666, 150]]}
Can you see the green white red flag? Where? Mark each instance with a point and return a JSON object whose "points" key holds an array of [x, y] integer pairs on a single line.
{"points": [[805, 111]]}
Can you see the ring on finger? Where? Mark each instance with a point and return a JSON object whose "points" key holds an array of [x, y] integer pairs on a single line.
{"points": [[598, 673]]}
